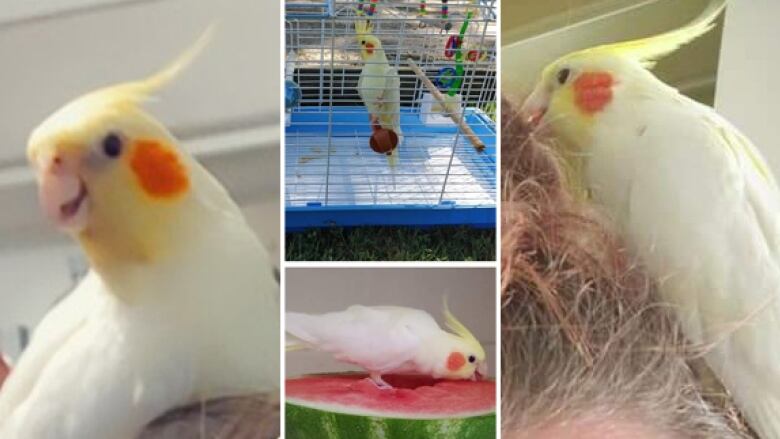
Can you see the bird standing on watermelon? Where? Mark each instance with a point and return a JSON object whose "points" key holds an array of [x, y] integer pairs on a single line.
{"points": [[180, 302], [391, 339], [379, 88], [692, 195]]}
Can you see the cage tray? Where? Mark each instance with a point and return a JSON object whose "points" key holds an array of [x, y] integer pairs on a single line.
{"points": [[333, 178]]}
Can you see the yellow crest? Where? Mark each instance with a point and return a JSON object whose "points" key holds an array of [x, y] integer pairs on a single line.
{"points": [[459, 328], [649, 50], [363, 27]]}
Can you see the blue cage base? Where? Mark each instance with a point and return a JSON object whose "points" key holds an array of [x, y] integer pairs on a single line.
{"points": [[333, 178]]}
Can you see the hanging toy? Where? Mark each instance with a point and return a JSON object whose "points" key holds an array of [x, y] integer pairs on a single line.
{"points": [[453, 44], [423, 11], [445, 15], [362, 10], [474, 55], [292, 94], [372, 8], [446, 80], [292, 91]]}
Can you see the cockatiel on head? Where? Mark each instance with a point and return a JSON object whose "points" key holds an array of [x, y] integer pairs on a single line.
{"points": [[391, 339], [180, 302], [692, 195], [379, 86]]}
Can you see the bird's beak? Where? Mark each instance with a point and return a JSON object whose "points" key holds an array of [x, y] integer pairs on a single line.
{"points": [[535, 106], [369, 48], [482, 368], [62, 193], [481, 371]]}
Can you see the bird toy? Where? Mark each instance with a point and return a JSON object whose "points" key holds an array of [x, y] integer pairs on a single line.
{"points": [[371, 7], [449, 79], [292, 94], [445, 14], [423, 11], [453, 43], [446, 78]]}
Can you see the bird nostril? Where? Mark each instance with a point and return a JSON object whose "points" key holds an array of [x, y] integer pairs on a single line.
{"points": [[57, 161]]}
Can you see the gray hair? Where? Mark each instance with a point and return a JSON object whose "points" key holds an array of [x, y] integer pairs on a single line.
{"points": [[583, 331]]}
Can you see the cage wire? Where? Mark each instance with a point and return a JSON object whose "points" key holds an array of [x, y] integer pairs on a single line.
{"points": [[329, 160]]}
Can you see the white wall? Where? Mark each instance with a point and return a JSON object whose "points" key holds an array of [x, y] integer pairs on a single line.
{"points": [[31, 280], [47, 62], [747, 92], [471, 293]]}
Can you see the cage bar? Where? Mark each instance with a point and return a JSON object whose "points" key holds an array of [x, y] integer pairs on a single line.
{"points": [[332, 175]]}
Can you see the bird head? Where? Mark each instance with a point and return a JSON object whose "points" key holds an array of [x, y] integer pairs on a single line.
{"points": [[111, 175], [370, 46], [577, 89], [461, 354]]}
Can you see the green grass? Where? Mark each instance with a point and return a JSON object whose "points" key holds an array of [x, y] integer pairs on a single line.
{"points": [[392, 244]]}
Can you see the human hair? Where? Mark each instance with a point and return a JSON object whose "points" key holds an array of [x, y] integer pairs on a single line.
{"points": [[583, 332]]}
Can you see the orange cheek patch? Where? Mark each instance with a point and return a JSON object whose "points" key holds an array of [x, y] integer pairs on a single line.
{"points": [[158, 169], [455, 361], [593, 91]]}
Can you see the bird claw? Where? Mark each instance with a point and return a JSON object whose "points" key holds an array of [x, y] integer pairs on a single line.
{"points": [[379, 382]]}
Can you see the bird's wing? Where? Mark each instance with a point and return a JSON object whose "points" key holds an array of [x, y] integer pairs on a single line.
{"points": [[49, 336], [102, 380], [372, 85], [376, 338], [391, 96], [706, 209]]}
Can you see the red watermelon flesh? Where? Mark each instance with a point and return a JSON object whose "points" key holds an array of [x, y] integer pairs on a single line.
{"points": [[412, 396]]}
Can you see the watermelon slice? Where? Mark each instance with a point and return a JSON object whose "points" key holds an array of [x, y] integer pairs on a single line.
{"points": [[349, 406]]}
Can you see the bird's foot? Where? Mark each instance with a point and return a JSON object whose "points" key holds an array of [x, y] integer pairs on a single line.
{"points": [[379, 382]]}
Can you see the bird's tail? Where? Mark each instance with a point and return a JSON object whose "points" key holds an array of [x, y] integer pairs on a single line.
{"points": [[392, 161], [302, 327]]}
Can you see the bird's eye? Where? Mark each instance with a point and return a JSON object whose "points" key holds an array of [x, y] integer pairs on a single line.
{"points": [[363, 43], [472, 358], [563, 75], [112, 145]]}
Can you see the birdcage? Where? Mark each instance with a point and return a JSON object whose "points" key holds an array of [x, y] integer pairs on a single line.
{"points": [[344, 164]]}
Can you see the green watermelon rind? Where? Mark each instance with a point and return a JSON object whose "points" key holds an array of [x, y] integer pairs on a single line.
{"points": [[304, 422]]}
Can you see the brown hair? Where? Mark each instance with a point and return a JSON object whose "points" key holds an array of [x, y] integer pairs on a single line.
{"points": [[583, 331]]}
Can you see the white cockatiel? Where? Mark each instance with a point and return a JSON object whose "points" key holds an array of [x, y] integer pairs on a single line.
{"points": [[391, 339], [694, 198], [180, 304], [379, 86]]}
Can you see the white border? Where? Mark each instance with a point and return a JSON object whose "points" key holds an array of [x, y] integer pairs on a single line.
{"points": [[497, 262], [282, 240]]}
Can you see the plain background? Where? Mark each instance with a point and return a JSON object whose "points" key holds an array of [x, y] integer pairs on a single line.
{"points": [[471, 294], [224, 107], [748, 94]]}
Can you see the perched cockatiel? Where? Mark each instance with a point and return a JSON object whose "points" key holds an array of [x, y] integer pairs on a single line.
{"points": [[180, 303], [693, 197], [391, 339], [379, 86]]}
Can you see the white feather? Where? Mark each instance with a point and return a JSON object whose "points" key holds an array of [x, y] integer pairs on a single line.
{"points": [[701, 209], [201, 324], [384, 339]]}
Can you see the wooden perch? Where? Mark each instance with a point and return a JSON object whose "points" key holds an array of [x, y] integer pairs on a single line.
{"points": [[454, 114]]}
